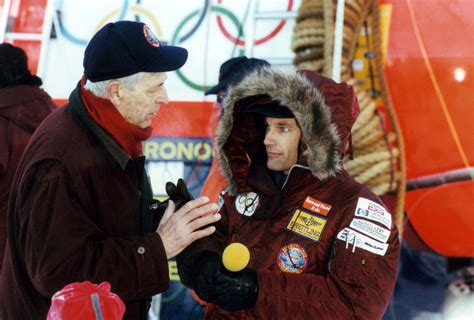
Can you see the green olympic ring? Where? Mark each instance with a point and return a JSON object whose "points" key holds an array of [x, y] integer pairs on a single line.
{"points": [[226, 12]]}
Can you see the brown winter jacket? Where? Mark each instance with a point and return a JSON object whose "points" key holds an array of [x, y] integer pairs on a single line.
{"points": [[79, 211], [22, 108], [323, 246]]}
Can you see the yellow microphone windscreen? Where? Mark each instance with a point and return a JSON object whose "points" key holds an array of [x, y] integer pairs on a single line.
{"points": [[236, 257]]}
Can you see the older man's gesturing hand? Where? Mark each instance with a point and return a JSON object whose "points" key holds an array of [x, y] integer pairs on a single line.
{"points": [[179, 229]]}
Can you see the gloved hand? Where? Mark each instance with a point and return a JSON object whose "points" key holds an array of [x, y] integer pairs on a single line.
{"points": [[178, 193], [230, 290], [158, 208]]}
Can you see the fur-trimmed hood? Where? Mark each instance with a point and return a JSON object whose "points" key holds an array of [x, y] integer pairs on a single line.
{"points": [[325, 111]]}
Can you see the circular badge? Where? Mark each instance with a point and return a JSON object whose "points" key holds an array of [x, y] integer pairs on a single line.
{"points": [[246, 203], [150, 36], [292, 258]]}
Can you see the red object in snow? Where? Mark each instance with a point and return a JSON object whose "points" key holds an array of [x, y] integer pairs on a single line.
{"points": [[86, 301]]}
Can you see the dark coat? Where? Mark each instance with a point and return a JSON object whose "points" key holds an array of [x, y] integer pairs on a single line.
{"points": [[80, 211], [22, 108], [305, 239]]}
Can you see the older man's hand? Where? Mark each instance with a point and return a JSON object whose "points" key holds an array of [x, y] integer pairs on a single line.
{"points": [[179, 229]]}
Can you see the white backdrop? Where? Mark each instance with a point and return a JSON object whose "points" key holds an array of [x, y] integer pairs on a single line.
{"points": [[192, 23]]}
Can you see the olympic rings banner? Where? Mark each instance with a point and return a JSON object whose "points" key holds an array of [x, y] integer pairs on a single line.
{"points": [[212, 32]]}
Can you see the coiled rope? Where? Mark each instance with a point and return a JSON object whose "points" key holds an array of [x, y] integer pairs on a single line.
{"points": [[377, 143]]}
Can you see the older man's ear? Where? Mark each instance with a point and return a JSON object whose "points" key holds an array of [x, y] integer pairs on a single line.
{"points": [[113, 92]]}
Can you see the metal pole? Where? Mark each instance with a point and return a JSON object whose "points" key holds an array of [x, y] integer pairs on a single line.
{"points": [[4, 22], [338, 36], [250, 28], [49, 13]]}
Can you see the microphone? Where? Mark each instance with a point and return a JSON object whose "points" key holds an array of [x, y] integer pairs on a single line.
{"points": [[235, 257]]}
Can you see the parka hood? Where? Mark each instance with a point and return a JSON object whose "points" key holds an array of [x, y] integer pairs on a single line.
{"points": [[324, 110]]}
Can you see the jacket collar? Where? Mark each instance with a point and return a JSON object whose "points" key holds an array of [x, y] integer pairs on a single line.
{"points": [[75, 103]]}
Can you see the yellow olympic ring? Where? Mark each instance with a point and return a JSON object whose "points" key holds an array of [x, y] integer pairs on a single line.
{"points": [[133, 8]]}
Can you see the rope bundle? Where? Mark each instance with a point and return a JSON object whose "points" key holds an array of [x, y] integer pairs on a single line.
{"points": [[377, 144], [309, 40]]}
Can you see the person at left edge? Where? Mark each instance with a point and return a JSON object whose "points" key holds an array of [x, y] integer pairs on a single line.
{"points": [[81, 206], [23, 105]]}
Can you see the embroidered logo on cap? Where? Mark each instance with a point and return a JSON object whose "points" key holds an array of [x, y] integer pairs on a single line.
{"points": [[246, 203], [316, 206], [150, 36], [292, 258], [306, 224]]}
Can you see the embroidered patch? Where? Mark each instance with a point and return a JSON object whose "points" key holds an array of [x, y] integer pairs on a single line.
{"points": [[370, 229], [292, 258], [306, 224], [358, 240], [373, 211], [246, 203], [150, 36], [316, 206]]}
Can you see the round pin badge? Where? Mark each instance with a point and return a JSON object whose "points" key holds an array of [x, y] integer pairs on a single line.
{"points": [[292, 258], [150, 36], [246, 203]]}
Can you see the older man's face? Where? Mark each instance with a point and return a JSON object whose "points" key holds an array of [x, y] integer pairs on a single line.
{"points": [[282, 138], [140, 104]]}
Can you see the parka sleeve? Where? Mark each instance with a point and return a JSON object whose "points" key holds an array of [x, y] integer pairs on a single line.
{"points": [[62, 244], [358, 284]]}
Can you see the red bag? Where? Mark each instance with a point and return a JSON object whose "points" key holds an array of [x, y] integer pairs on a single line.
{"points": [[86, 301]]}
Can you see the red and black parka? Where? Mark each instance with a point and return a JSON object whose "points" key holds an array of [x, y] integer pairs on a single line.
{"points": [[323, 245]]}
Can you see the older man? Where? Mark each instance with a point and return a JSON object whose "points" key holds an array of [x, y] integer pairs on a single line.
{"points": [[81, 205], [322, 246]]}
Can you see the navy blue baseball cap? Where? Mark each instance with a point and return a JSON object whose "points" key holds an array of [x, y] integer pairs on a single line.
{"points": [[124, 48], [271, 109], [234, 70]]}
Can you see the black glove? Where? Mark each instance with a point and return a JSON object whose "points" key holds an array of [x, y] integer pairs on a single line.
{"points": [[158, 208], [178, 193], [230, 290]]}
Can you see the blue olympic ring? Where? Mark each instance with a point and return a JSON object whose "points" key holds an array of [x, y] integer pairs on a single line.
{"points": [[69, 36]]}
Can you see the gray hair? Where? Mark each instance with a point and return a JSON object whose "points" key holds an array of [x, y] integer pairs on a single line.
{"points": [[99, 88]]}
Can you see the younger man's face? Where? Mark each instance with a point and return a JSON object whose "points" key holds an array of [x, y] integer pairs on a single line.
{"points": [[281, 142]]}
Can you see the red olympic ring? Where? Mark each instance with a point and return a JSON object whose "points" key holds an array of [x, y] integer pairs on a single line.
{"points": [[258, 41]]}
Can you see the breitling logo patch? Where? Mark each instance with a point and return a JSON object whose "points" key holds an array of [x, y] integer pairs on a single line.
{"points": [[306, 224]]}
